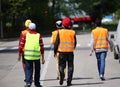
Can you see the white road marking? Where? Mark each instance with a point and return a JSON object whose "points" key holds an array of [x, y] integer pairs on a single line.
{"points": [[14, 48], [47, 45], [3, 48], [46, 67], [89, 44], [78, 45]]}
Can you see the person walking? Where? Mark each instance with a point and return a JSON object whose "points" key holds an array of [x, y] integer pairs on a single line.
{"points": [[65, 44], [21, 54], [53, 39], [100, 43], [33, 51]]}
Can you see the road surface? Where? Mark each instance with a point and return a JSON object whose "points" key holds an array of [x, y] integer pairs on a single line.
{"points": [[85, 67]]}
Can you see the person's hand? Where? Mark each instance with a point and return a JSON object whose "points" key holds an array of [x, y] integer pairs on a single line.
{"points": [[91, 53], [19, 57], [54, 55], [43, 61], [111, 49]]}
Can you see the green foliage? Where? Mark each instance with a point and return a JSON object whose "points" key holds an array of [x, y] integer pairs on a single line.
{"points": [[16, 12], [67, 8], [117, 13], [111, 26], [39, 13], [13, 7], [99, 8]]}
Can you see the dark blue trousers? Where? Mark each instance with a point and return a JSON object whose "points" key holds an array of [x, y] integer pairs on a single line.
{"points": [[30, 66]]}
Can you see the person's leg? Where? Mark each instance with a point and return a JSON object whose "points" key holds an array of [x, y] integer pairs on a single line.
{"points": [[62, 65], [28, 72], [102, 65], [65, 71], [37, 73], [57, 66], [98, 61], [23, 65], [70, 61]]}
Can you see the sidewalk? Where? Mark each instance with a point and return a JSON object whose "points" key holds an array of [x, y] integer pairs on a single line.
{"points": [[13, 42], [9, 42]]}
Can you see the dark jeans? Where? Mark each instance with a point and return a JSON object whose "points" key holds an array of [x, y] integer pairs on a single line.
{"points": [[101, 56], [30, 65], [66, 58]]}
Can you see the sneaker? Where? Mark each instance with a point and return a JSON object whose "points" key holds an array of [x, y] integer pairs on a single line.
{"points": [[69, 83], [39, 86], [28, 85], [102, 77], [61, 82], [24, 80]]}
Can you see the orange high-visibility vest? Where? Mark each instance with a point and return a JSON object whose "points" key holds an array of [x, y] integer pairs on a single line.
{"points": [[25, 31], [22, 34], [100, 36], [54, 35], [67, 40]]}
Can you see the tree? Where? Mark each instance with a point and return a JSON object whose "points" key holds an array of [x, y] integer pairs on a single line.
{"points": [[17, 11], [12, 11], [99, 8], [117, 14], [95, 8], [67, 8], [40, 14]]}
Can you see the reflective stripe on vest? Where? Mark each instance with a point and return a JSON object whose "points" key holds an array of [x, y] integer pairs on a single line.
{"points": [[32, 47], [66, 40], [100, 38]]}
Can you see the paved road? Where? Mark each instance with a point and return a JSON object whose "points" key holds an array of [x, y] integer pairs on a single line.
{"points": [[85, 72]]}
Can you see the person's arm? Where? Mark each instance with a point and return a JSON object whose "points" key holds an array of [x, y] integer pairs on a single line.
{"points": [[110, 43], [92, 44], [52, 38], [75, 41], [21, 46], [42, 49], [56, 44]]}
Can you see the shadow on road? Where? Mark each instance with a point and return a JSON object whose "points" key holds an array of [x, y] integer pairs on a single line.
{"points": [[80, 78], [82, 84], [113, 78], [75, 78]]}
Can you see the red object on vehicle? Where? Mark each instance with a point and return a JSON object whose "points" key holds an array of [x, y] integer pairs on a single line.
{"points": [[82, 19]]}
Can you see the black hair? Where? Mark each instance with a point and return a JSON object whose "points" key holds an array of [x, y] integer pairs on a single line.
{"points": [[98, 22]]}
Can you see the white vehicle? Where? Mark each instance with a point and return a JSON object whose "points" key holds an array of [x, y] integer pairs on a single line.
{"points": [[108, 18], [116, 42]]}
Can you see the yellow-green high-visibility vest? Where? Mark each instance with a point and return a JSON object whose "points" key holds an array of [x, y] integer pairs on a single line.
{"points": [[32, 47]]}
